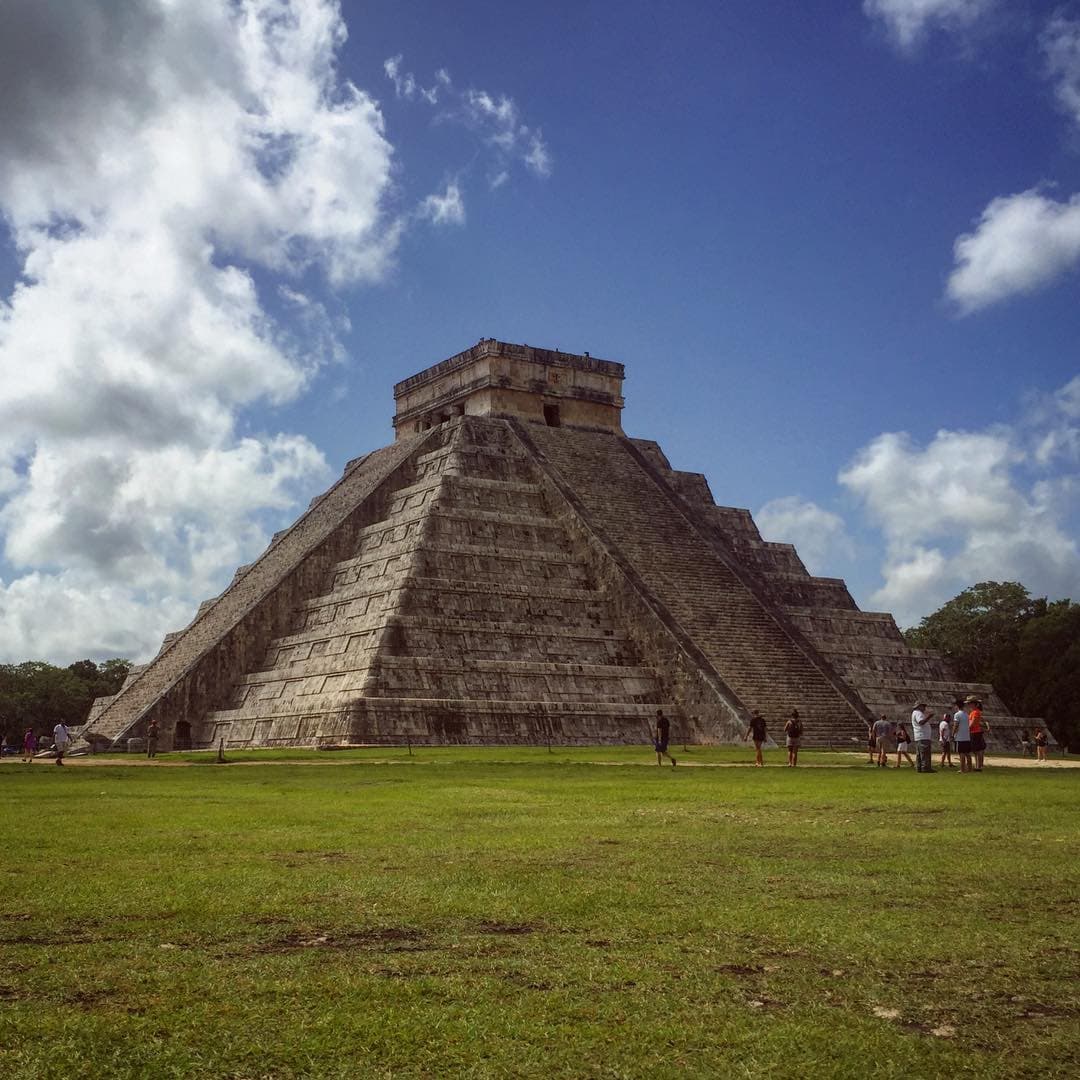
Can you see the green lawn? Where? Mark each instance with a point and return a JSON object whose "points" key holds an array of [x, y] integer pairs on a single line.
{"points": [[517, 913]]}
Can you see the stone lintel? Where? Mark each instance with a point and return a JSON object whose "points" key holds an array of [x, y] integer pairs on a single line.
{"points": [[499, 379]]}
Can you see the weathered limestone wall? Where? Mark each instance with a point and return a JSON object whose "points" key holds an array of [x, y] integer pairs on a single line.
{"points": [[198, 670]]}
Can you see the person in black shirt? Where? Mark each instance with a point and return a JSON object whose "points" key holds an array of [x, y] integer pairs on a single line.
{"points": [[660, 740], [758, 730]]}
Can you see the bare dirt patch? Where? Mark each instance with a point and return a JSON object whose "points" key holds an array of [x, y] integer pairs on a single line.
{"points": [[508, 928], [382, 939]]}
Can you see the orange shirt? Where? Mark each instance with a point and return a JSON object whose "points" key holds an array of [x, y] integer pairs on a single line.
{"points": [[975, 717]]}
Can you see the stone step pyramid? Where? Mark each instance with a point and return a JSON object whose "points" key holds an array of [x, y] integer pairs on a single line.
{"points": [[513, 569]]}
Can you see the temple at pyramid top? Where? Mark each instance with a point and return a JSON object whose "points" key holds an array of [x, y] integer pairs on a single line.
{"points": [[499, 379]]}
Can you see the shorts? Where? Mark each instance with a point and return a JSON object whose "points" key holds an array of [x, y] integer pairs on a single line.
{"points": [[963, 746], [871, 743], [793, 742], [903, 748], [978, 742], [946, 744], [661, 747]]}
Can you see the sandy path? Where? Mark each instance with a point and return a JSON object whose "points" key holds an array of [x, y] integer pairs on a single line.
{"points": [[136, 761]]}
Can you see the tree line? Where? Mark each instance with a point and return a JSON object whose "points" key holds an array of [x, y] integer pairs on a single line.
{"points": [[36, 694], [1028, 647]]}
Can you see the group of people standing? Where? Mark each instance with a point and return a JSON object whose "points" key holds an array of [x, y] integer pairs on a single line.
{"points": [[963, 729], [759, 732], [61, 742]]}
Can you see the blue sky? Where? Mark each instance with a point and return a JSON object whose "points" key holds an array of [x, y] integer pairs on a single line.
{"points": [[836, 245]]}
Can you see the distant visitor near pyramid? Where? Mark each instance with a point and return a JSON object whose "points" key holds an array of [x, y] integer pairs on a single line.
{"points": [[514, 569]]}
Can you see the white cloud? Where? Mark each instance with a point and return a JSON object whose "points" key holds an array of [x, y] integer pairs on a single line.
{"points": [[1060, 43], [153, 160], [445, 209], [495, 118], [1020, 243], [819, 535], [966, 507], [907, 21]]}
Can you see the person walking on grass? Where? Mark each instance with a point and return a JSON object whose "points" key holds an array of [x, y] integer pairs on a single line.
{"points": [[660, 738], [871, 742], [903, 745], [922, 728], [961, 732], [29, 746], [1040, 744], [945, 738], [61, 740], [883, 732], [979, 730], [151, 739], [760, 733], [793, 731]]}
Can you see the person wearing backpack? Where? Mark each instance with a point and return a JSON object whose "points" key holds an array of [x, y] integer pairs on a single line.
{"points": [[793, 730]]}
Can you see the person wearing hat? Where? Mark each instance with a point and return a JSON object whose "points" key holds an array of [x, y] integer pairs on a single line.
{"points": [[922, 731], [760, 733], [979, 728], [961, 729]]}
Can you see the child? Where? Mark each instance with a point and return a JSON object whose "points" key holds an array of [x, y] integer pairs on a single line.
{"points": [[903, 745], [945, 735]]}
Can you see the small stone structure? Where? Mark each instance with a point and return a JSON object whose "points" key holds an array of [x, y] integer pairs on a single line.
{"points": [[514, 569]]}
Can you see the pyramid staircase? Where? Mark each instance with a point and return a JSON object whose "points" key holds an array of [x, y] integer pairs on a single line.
{"points": [[459, 616]]}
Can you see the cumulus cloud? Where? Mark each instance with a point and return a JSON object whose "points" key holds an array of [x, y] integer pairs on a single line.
{"points": [[819, 535], [154, 157], [494, 118], [907, 21], [1020, 243], [971, 506]]}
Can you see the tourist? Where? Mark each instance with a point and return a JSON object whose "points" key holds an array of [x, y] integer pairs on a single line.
{"points": [[903, 745], [922, 729], [945, 737], [760, 733], [661, 736], [61, 740], [29, 746], [871, 742], [1040, 744], [793, 730], [151, 739], [961, 732], [978, 731], [883, 732], [1025, 743]]}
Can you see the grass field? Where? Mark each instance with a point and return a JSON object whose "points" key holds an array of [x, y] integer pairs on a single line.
{"points": [[518, 913]]}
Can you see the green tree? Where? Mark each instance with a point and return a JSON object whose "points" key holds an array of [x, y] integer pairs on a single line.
{"points": [[36, 694], [978, 629]]}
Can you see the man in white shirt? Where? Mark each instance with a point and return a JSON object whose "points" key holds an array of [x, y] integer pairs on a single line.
{"points": [[61, 740], [961, 729], [922, 731]]}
